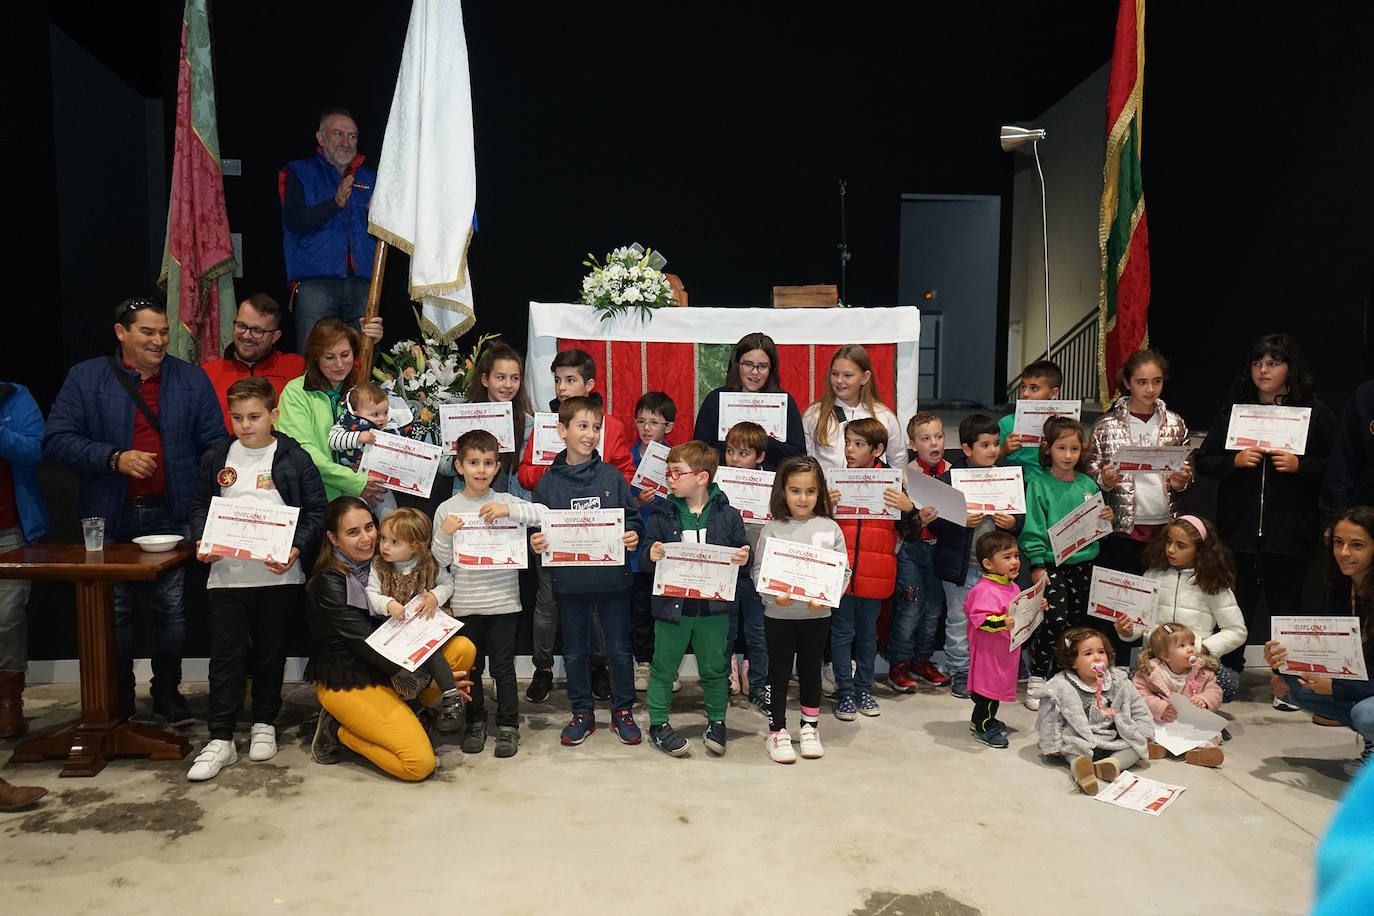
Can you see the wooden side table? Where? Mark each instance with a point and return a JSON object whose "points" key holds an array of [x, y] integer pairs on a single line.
{"points": [[102, 732]]}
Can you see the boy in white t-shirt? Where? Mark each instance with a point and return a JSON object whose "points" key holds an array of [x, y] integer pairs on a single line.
{"points": [[252, 602]]}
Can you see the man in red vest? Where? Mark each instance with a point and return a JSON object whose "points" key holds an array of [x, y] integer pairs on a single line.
{"points": [[257, 328]]}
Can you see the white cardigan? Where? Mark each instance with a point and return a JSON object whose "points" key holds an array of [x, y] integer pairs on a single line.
{"points": [[832, 455], [1215, 619]]}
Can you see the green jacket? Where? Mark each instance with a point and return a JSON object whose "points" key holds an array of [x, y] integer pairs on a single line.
{"points": [[1049, 499], [307, 417], [1027, 459]]}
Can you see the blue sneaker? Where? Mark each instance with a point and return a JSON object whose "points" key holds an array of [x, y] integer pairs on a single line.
{"points": [[576, 731], [867, 705], [958, 685], [993, 737], [625, 728], [668, 741], [846, 710]]}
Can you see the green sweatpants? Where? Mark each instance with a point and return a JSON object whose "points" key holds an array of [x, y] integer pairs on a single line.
{"points": [[707, 636]]}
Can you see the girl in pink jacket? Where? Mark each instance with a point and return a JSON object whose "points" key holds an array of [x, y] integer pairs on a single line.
{"points": [[1170, 664]]}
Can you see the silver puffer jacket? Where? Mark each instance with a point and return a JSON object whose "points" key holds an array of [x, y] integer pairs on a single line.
{"points": [[1112, 431]]}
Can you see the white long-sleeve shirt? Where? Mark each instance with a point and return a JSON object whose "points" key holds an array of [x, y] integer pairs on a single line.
{"points": [[481, 590], [832, 455]]}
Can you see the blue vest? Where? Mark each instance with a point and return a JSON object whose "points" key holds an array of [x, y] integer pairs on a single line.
{"points": [[325, 250]]}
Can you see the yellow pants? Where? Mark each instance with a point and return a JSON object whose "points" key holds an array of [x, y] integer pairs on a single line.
{"points": [[377, 723]]}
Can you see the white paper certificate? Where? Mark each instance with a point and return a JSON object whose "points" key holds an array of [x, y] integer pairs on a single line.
{"points": [[1166, 459], [497, 544], [1269, 427], [924, 490], [748, 490], [652, 473], [861, 492], [495, 417], [793, 570], [585, 537], [1139, 794], [1078, 529], [1121, 596], [768, 410], [1194, 727], [1031, 417], [249, 530], [408, 642], [547, 445], [400, 463], [990, 490], [1325, 646], [696, 571], [1025, 612]]}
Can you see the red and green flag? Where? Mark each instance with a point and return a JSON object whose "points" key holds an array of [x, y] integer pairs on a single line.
{"points": [[1122, 238], [198, 258]]}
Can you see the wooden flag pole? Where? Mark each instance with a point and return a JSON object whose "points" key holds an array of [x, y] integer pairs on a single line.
{"points": [[374, 304]]}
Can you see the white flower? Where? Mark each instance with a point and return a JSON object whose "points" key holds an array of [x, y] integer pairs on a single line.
{"points": [[632, 294]]}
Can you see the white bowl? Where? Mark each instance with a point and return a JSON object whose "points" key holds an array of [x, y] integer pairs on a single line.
{"points": [[158, 543]]}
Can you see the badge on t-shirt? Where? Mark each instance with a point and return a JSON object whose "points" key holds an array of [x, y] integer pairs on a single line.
{"points": [[265, 481], [226, 477], [586, 502]]}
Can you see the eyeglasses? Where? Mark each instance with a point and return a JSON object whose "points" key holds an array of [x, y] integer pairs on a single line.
{"points": [[747, 366], [674, 474], [649, 424], [255, 333]]}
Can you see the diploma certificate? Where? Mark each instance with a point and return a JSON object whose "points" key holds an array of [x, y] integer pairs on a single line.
{"points": [[1031, 417], [991, 490], [768, 410], [696, 571], [1269, 427], [802, 572], [400, 463], [547, 445], [1166, 459], [249, 530], [861, 492], [1121, 596], [652, 473], [410, 641], [748, 490], [1078, 529], [924, 490], [584, 537], [499, 544], [495, 417], [1139, 794], [1324, 646], [1026, 613]]}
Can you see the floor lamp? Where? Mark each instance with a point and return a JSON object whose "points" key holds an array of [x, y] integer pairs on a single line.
{"points": [[1014, 138]]}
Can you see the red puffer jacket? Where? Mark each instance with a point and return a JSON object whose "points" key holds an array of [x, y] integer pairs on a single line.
{"points": [[872, 549]]}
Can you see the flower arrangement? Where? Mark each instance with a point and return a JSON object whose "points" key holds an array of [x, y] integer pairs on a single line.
{"points": [[427, 373], [625, 282]]}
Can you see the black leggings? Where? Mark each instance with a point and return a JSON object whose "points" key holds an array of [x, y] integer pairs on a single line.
{"points": [[984, 711], [1276, 578], [800, 640], [1067, 597]]}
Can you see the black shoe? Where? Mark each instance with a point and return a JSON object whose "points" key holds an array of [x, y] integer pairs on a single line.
{"points": [[326, 748], [715, 737], [475, 740], [172, 707], [668, 741], [601, 683], [540, 685], [507, 741]]}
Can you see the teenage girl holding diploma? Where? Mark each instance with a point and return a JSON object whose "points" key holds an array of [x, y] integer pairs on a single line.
{"points": [[850, 395], [1267, 501]]}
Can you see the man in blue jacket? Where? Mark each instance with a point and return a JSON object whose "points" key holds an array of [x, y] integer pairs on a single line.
{"points": [[325, 241], [135, 424], [22, 519]]}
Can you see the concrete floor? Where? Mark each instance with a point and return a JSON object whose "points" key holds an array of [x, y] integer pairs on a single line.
{"points": [[905, 814]]}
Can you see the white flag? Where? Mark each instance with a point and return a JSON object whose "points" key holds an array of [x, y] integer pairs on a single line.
{"points": [[427, 176]]}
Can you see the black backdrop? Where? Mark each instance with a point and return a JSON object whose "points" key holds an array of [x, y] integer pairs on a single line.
{"points": [[718, 134]]}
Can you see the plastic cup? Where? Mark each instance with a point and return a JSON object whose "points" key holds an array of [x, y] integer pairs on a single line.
{"points": [[93, 530]]}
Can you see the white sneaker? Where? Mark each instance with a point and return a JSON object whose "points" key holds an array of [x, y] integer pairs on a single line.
{"points": [[828, 680], [1035, 692], [677, 681], [811, 742], [780, 747], [262, 742], [642, 676], [216, 755]]}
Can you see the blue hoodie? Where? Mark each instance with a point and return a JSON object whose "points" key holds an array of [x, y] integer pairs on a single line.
{"points": [[593, 484]]}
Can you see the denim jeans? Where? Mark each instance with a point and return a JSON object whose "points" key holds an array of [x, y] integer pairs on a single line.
{"points": [[576, 612], [1350, 703], [544, 624], [329, 297], [956, 622], [917, 605], [165, 597], [854, 638], [749, 610], [14, 610]]}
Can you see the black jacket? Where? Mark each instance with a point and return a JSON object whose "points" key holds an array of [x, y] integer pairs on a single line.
{"points": [[340, 658], [707, 429], [1350, 474], [593, 484], [954, 542], [724, 528], [293, 474], [1260, 510]]}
